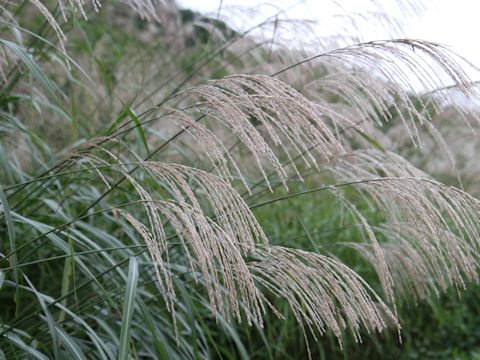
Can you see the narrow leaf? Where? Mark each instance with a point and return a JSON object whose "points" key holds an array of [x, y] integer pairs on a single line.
{"points": [[70, 344], [67, 268], [2, 279], [15, 340], [139, 128], [11, 236], [36, 71], [128, 307], [371, 141], [50, 322], [118, 120]]}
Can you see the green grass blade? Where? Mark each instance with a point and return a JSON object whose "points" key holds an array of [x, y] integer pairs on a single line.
{"points": [[67, 269], [37, 73], [161, 345], [304, 227], [50, 322], [128, 307], [127, 111], [371, 140], [2, 279], [242, 352], [103, 350], [11, 236], [18, 342], [72, 267], [116, 123], [70, 344], [140, 132]]}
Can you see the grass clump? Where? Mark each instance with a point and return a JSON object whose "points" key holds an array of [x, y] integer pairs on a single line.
{"points": [[172, 188]]}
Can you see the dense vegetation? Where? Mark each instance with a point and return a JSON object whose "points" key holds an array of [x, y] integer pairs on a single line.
{"points": [[172, 188]]}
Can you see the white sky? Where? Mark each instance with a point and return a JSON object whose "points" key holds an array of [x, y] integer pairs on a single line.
{"points": [[453, 23]]}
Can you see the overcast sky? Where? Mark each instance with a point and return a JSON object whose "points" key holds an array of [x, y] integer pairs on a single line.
{"points": [[454, 23]]}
